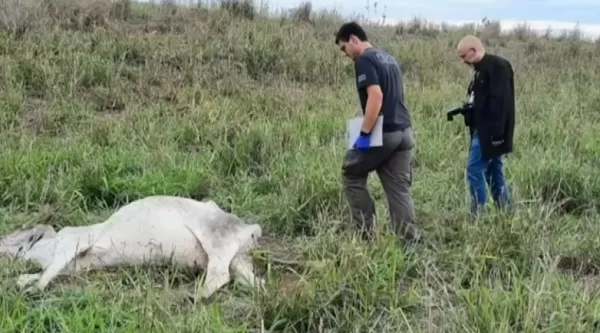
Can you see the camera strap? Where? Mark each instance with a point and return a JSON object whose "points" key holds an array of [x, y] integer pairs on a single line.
{"points": [[470, 94]]}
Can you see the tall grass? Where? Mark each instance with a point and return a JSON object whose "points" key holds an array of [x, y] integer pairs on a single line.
{"points": [[106, 102]]}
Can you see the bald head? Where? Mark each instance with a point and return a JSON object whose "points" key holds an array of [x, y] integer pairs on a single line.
{"points": [[470, 49]]}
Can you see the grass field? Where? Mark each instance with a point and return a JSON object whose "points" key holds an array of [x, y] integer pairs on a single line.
{"points": [[113, 102]]}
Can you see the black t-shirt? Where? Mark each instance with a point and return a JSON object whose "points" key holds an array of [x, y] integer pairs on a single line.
{"points": [[378, 67]]}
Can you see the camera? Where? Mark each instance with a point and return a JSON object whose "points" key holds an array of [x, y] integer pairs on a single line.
{"points": [[464, 110]]}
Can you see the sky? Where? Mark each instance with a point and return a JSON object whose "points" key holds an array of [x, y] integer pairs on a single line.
{"points": [[539, 14]]}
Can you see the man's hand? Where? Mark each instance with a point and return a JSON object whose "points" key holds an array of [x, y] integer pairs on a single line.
{"points": [[363, 142]]}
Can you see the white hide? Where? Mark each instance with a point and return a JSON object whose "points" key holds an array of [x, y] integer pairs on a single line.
{"points": [[156, 230]]}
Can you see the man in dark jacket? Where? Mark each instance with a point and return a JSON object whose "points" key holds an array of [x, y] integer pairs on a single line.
{"points": [[491, 122]]}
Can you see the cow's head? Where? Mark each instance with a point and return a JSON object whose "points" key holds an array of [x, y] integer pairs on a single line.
{"points": [[20, 241]]}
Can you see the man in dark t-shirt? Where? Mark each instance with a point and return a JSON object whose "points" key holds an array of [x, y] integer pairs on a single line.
{"points": [[375, 67], [380, 88]]}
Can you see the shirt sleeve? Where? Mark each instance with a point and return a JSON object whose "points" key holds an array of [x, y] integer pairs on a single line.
{"points": [[498, 88], [366, 73]]}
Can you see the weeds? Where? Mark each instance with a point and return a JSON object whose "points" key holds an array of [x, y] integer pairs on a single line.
{"points": [[106, 102]]}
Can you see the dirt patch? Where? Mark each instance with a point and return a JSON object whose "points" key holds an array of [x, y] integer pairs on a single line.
{"points": [[289, 284], [579, 266], [277, 250]]}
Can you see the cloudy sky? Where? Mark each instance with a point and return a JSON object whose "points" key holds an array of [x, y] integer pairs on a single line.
{"points": [[560, 14]]}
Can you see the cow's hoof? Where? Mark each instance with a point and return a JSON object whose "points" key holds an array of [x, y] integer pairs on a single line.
{"points": [[195, 300], [191, 299], [26, 280], [32, 290], [262, 285], [206, 300]]}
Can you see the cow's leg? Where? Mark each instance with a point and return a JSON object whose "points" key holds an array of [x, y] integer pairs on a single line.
{"points": [[219, 254], [217, 275], [243, 272]]}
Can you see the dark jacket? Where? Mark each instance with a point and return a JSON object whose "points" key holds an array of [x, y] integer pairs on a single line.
{"points": [[493, 115]]}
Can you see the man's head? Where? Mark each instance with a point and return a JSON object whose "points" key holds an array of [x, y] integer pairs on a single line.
{"points": [[470, 50], [352, 39]]}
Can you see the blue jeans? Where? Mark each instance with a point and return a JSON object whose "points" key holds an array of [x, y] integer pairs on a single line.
{"points": [[481, 172]]}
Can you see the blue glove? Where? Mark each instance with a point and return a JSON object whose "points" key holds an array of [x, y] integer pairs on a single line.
{"points": [[363, 142]]}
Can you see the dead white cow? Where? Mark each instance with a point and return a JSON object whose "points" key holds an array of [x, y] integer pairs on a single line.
{"points": [[157, 230]]}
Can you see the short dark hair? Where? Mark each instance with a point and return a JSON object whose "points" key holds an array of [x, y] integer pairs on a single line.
{"points": [[348, 29]]}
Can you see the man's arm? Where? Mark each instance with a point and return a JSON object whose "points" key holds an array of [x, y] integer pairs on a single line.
{"points": [[374, 102], [366, 76], [498, 88]]}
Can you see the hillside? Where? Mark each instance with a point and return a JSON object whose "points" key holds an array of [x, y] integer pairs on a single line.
{"points": [[103, 103]]}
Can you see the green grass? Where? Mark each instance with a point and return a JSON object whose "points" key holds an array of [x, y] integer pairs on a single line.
{"points": [[116, 102]]}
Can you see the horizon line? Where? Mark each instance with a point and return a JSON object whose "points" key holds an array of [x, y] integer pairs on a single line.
{"points": [[555, 28]]}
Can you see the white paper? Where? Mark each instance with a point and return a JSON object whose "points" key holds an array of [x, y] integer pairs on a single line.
{"points": [[353, 126]]}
